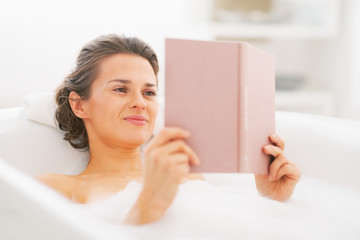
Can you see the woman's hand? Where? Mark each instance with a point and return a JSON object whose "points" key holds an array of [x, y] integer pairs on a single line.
{"points": [[167, 160], [283, 174]]}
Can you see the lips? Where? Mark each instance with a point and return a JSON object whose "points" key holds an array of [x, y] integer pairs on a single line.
{"points": [[136, 119]]}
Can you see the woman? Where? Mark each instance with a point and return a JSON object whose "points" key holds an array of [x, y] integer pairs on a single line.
{"points": [[108, 106]]}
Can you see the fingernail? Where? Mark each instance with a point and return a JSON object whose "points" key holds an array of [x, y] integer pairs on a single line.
{"points": [[274, 136]]}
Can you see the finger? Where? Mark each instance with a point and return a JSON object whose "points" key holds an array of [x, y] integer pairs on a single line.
{"points": [[167, 134], [179, 146], [183, 169], [179, 158], [289, 171], [276, 165], [278, 141], [272, 150], [292, 164], [179, 165]]}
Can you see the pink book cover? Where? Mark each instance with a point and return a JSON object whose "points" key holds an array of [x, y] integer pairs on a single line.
{"points": [[224, 94]]}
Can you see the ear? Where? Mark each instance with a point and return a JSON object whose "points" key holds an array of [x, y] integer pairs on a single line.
{"points": [[77, 105]]}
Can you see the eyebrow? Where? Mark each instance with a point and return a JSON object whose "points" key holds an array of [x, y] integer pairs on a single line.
{"points": [[124, 81]]}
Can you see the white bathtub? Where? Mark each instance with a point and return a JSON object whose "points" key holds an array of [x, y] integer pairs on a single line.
{"points": [[327, 150]]}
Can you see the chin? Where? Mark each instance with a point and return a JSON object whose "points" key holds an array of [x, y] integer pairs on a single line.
{"points": [[137, 142], [138, 139]]}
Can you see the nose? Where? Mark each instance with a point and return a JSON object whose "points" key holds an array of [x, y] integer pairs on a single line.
{"points": [[137, 101]]}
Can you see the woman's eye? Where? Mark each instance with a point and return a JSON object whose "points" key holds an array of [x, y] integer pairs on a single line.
{"points": [[121, 89], [150, 93]]}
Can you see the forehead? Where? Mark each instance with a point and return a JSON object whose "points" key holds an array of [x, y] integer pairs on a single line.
{"points": [[131, 67]]}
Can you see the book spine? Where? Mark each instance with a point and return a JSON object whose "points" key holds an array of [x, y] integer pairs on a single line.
{"points": [[243, 110]]}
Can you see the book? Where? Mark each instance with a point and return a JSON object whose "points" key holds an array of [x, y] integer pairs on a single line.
{"points": [[224, 94]]}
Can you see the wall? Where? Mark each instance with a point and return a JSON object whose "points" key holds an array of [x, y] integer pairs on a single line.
{"points": [[349, 81], [326, 61], [40, 39]]}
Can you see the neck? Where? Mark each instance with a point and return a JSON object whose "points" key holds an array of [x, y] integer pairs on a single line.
{"points": [[120, 160]]}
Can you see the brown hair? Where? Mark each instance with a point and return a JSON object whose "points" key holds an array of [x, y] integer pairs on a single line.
{"points": [[81, 78]]}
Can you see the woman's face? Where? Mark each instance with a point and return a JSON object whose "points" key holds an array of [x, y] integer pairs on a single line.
{"points": [[122, 107]]}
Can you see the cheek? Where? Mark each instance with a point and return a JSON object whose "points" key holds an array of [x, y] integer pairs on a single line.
{"points": [[105, 108], [153, 111], [98, 107]]}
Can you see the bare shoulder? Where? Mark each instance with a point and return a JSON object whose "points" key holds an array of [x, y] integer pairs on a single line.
{"points": [[53, 178], [58, 182]]}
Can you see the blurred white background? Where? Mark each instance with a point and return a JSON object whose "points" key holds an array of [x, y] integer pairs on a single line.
{"points": [[315, 42]]}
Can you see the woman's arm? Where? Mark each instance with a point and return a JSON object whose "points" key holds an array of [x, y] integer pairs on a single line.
{"points": [[283, 174], [167, 160]]}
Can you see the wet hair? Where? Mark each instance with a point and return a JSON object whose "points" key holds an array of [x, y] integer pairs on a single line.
{"points": [[81, 79]]}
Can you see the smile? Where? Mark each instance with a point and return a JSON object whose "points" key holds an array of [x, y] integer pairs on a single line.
{"points": [[136, 119]]}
